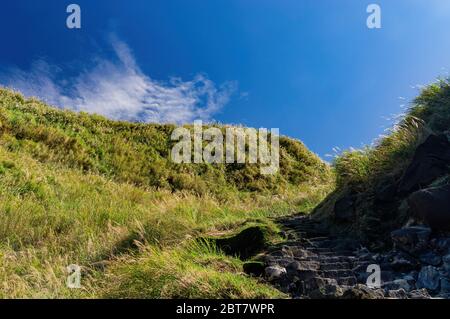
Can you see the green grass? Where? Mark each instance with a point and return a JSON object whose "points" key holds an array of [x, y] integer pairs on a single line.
{"points": [[429, 113], [139, 153], [364, 172], [81, 189]]}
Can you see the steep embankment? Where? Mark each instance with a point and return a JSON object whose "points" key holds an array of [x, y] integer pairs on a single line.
{"points": [[375, 185], [81, 189], [390, 211]]}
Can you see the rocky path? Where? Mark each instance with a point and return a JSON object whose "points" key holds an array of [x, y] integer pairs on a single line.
{"points": [[313, 264]]}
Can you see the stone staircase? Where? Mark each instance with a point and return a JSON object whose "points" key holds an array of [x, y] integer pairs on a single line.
{"points": [[313, 264]]}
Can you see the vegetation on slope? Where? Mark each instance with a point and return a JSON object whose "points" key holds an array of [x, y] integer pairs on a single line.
{"points": [[81, 189], [364, 173], [138, 153]]}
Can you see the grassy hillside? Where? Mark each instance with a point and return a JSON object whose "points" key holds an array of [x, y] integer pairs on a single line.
{"points": [[81, 189], [365, 173]]}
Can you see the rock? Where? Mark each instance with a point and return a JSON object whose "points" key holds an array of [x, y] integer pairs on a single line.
{"points": [[419, 294], [387, 275], [329, 291], [397, 294], [432, 205], [244, 244], [430, 258], [254, 268], [430, 161], [344, 209], [412, 240], [403, 262], [403, 284], [313, 283], [446, 260], [274, 272], [411, 280], [297, 266], [386, 193], [443, 246], [445, 285], [363, 292], [428, 278]]}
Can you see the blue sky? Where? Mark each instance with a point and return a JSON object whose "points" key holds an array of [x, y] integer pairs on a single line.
{"points": [[311, 68]]}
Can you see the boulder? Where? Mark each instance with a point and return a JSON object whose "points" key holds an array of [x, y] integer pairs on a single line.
{"points": [[243, 244], [403, 284], [432, 205], [446, 261], [254, 268], [329, 291], [363, 292], [397, 294], [386, 193], [443, 245], [430, 161], [412, 240], [445, 285], [419, 294], [296, 266], [403, 262], [429, 278], [430, 258], [344, 209], [274, 272], [312, 284]]}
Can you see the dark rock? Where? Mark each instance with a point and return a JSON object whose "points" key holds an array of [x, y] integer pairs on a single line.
{"points": [[362, 292], [397, 294], [433, 206], [403, 262], [399, 284], [275, 272], [386, 193], [306, 275], [329, 291], [419, 294], [428, 278], [244, 244], [297, 266], [413, 240], [443, 246], [445, 285], [254, 268], [344, 209], [317, 283], [430, 258], [387, 275], [348, 244], [430, 161], [446, 260], [411, 280]]}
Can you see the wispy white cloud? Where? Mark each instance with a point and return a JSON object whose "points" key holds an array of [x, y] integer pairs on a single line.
{"points": [[118, 89]]}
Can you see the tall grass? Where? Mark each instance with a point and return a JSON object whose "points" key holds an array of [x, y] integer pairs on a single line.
{"points": [[429, 113], [80, 189]]}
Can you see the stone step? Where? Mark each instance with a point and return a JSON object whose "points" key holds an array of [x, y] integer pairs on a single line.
{"points": [[314, 240], [343, 273], [324, 259], [347, 281], [335, 266], [319, 250]]}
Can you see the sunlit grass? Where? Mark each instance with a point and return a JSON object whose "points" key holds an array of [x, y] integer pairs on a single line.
{"points": [[80, 189]]}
